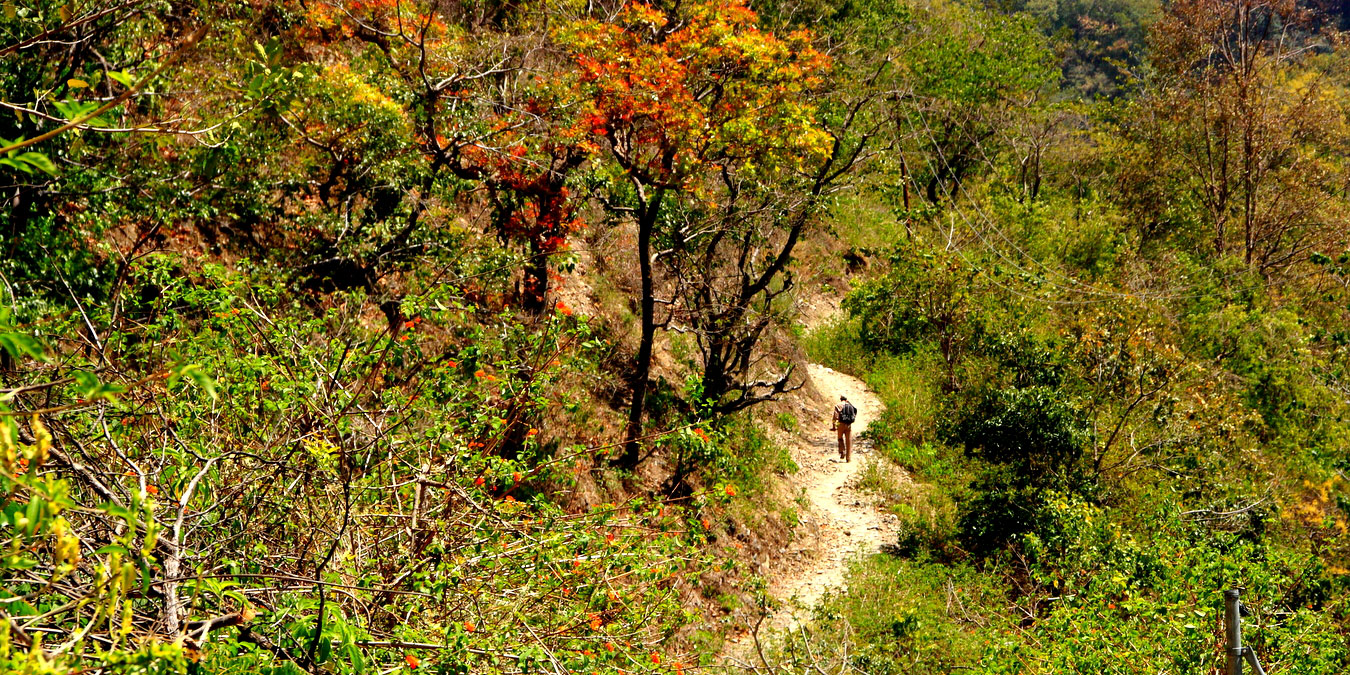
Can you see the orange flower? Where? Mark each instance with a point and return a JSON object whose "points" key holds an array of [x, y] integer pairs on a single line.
{"points": [[509, 498], [656, 658], [563, 308], [452, 364], [478, 481], [152, 489], [731, 490], [480, 374], [516, 476], [410, 660], [531, 432], [596, 622], [706, 524], [468, 627]]}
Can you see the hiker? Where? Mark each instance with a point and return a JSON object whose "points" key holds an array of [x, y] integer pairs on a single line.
{"points": [[842, 423]]}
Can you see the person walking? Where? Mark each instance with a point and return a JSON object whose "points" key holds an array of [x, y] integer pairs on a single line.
{"points": [[842, 424]]}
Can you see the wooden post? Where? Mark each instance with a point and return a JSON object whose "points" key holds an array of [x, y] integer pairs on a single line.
{"points": [[1232, 617]]}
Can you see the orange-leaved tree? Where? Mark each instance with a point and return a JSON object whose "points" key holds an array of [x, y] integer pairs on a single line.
{"points": [[541, 140], [481, 115], [679, 93]]}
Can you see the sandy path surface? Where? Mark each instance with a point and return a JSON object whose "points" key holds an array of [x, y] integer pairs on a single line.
{"points": [[844, 523]]}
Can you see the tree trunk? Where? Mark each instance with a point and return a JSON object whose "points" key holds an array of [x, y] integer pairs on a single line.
{"points": [[647, 216], [715, 381], [536, 279]]}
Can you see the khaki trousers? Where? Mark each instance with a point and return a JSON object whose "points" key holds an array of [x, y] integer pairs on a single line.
{"points": [[845, 432]]}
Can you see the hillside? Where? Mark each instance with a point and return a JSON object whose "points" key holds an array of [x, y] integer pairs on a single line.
{"points": [[389, 336]]}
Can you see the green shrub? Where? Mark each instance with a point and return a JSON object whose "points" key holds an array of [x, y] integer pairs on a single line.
{"points": [[910, 387], [1032, 440], [836, 345]]}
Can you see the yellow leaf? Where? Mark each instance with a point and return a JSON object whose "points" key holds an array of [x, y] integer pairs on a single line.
{"points": [[76, 83]]}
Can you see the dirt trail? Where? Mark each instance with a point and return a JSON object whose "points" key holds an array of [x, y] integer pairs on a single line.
{"points": [[841, 522]]}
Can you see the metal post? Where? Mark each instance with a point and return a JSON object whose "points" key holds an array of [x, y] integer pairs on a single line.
{"points": [[1232, 619]]}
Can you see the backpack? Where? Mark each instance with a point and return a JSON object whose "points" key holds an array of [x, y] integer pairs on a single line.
{"points": [[847, 413]]}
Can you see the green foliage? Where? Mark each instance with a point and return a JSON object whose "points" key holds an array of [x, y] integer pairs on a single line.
{"points": [[977, 57], [911, 386], [607, 571], [1142, 594], [1034, 431], [836, 345], [26, 162], [901, 623], [1129, 423], [292, 379], [899, 617], [1103, 39], [926, 294]]}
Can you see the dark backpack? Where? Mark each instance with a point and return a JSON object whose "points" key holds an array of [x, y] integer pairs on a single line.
{"points": [[847, 413]]}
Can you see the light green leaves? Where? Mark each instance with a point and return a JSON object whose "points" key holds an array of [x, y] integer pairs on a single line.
{"points": [[19, 345], [193, 373], [90, 388], [121, 77], [26, 162], [77, 110]]}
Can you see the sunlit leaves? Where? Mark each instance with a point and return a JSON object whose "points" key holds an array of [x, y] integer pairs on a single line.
{"points": [[191, 372], [674, 90], [20, 345], [25, 161]]}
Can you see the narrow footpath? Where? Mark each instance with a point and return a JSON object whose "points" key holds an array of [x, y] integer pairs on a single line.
{"points": [[841, 523]]}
